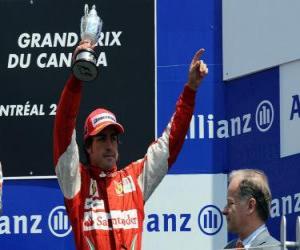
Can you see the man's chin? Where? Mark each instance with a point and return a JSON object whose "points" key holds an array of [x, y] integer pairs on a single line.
{"points": [[230, 229], [109, 165]]}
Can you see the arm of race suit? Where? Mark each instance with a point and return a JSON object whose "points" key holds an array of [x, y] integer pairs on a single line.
{"points": [[65, 150], [163, 152]]}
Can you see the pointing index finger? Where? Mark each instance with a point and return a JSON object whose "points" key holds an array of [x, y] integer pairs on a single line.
{"points": [[198, 55]]}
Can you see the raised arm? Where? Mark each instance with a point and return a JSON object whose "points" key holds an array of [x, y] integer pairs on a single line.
{"points": [[164, 151], [65, 149], [180, 121], [65, 119], [67, 110]]}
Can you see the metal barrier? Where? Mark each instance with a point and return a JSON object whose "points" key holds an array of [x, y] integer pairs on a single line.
{"points": [[289, 244]]}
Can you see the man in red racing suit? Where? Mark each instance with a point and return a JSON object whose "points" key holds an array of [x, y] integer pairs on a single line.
{"points": [[106, 206]]}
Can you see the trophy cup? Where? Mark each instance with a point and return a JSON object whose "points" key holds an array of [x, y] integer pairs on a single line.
{"points": [[85, 61]]}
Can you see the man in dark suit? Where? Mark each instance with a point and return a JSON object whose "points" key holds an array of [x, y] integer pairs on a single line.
{"points": [[248, 208]]}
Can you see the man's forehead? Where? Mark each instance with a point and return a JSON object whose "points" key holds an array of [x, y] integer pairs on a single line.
{"points": [[232, 196], [235, 182], [109, 130], [233, 188]]}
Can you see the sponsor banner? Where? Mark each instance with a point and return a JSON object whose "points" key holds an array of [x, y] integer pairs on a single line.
{"points": [[253, 120], [285, 205], [178, 40], [284, 185], [36, 57], [273, 145], [202, 147], [181, 214], [34, 216], [185, 213], [285, 202], [242, 128], [289, 109]]}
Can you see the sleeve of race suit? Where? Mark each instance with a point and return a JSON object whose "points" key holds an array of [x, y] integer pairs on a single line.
{"points": [[163, 152], [65, 148]]}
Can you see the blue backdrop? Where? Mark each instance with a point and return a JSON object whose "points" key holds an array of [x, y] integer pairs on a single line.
{"points": [[235, 125]]}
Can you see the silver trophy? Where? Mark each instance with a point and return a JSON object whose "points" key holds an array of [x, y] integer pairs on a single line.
{"points": [[85, 61]]}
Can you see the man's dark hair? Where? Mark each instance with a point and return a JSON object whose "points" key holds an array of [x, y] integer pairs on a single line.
{"points": [[87, 144]]}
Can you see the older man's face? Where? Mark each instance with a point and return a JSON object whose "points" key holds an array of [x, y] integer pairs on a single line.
{"points": [[236, 209]]}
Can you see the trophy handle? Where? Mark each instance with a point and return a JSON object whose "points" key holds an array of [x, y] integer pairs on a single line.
{"points": [[86, 9]]}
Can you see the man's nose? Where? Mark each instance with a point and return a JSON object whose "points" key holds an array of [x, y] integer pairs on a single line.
{"points": [[225, 211], [109, 143]]}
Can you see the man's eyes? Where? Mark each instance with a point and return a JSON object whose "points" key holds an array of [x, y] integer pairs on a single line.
{"points": [[103, 138], [230, 203], [100, 138], [114, 137]]}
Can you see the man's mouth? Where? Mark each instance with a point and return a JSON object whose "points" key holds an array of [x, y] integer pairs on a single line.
{"points": [[109, 156]]}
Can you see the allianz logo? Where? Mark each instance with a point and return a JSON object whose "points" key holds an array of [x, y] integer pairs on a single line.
{"points": [[205, 126], [58, 223], [208, 221], [285, 205], [295, 110]]}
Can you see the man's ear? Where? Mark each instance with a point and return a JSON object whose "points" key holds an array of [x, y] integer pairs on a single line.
{"points": [[88, 150], [88, 145], [251, 205]]}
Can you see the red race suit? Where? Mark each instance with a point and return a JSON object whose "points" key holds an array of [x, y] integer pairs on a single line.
{"points": [[106, 209]]}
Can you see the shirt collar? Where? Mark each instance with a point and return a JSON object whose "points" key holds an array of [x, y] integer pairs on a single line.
{"points": [[247, 241], [97, 172]]}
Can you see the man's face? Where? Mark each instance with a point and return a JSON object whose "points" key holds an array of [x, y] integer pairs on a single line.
{"points": [[236, 209], [103, 151]]}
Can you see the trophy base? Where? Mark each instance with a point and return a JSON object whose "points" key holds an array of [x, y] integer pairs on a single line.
{"points": [[84, 67]]}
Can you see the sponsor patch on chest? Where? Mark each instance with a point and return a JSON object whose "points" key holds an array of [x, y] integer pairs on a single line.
{"points": [[125, 186], [93, 203], [116, 219]]}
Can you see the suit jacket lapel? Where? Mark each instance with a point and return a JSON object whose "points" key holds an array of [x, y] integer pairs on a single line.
{"points": [[261, 238]]}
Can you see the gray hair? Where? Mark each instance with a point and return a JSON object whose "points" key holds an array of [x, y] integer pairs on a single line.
{"points": [[254, 184]]}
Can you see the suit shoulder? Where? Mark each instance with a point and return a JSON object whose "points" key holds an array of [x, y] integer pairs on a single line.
{"points": [[271, 240], [231, 244]]}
